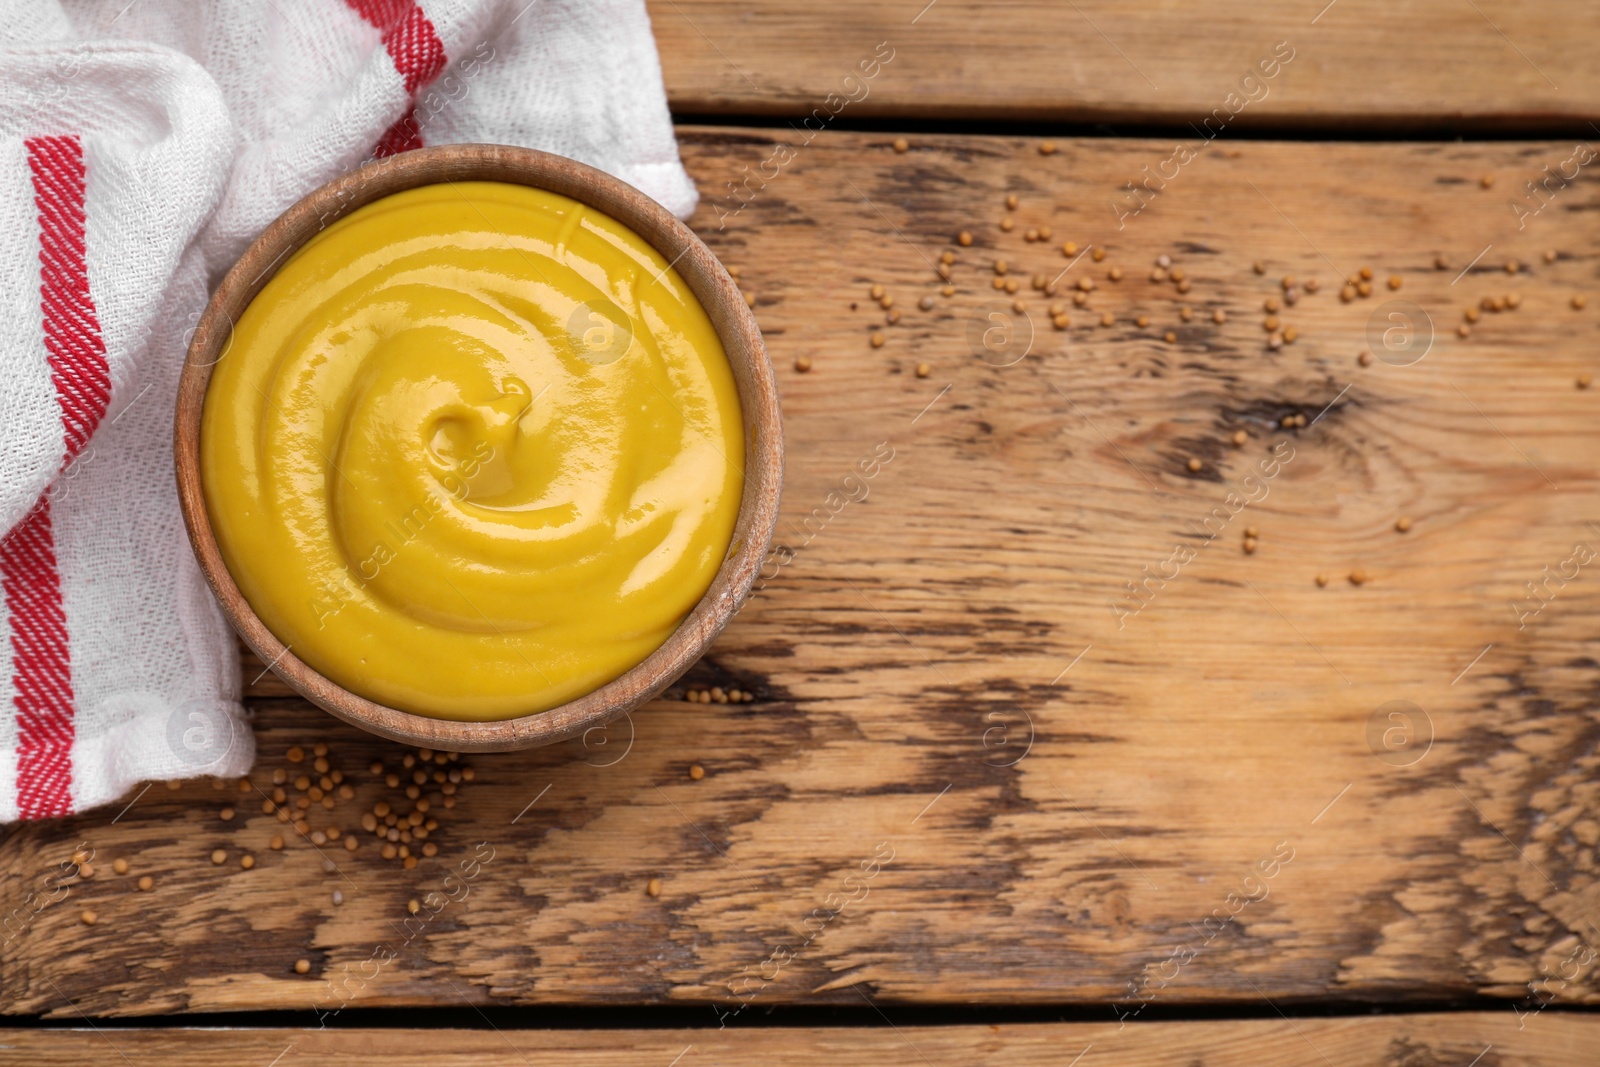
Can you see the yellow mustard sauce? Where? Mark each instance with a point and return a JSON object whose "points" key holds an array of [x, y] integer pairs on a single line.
{"points": [[474, 451]]}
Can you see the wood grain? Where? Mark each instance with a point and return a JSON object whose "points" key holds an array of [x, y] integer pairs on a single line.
{"points": [[1363, 64], [937, 615], [1393, 1041]]}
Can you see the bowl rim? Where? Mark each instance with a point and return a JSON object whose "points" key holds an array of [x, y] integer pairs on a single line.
{"points": [[730, 316]]}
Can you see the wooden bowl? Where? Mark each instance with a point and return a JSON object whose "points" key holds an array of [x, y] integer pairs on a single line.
{"points": [[711, 285]]}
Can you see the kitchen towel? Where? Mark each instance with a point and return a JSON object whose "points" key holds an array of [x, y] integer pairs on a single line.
{"points": [[143, 145]]}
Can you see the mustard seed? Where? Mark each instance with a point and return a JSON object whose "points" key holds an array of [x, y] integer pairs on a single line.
{"points": [[1142, 321], [892, 317], [1365, 358], [119, 866], [1252, 531], [1030, 236], [653, 887], [86, 871], [1086, 284], [1402, 524], [1463, 330], [886, 301], [1395, 281], [1289, 335], [1194, 464], [1186, 313], [276, 844], [1347, 294], [1550, 255], [1584, 381], [1513, 300], [923, 370], [1471, 314], [1270, 304], [1044, 233], [1364, 288], [413, 906], [88, 917], [1259, 267], [1579, 302], [1487, 181], [1269, 323], [1218, 316], [1249, 546], [1322, 580], [1060, 322], [219, 857], [1108, 319], [1098, 254], [802, 364], [1115, 274], [1366, 274], [999, 283], [901, 144], [877, 339], [1183, 286], [146, 884], [1170, 337], [1239, 438], [296, 754], [1012, 285], [1312, 285], [226, 814], [247, 861], [1007, 225], [964, 239], [1011, 202], [1358, 577], [926, 303], [302, 966], [1512, 266], [696, 772], [1069, 249], [1047, 148], [948, 290]]}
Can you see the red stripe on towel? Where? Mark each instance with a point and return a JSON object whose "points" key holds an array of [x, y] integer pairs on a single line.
{"points": [[418, 55], [41, 661]]}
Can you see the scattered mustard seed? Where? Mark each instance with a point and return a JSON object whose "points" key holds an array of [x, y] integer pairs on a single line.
{"points": [[1550, 255], [302, 966], [1108, 319], [877, 339], [1512, 266], [1364, 288], [802, 364], [1289, 335], [1186, 313], [1047, 148], [1402, 524], [948, 290], [653, 887], [1579, 302], [1322, 580], [1170, 337], [1011, 201], [964, 239], [247, 861], [1395, 281], [219, 857], [1142, 321], [1069, 249], [1194, 463], [1115, 274], [696, 772], [88, 917], [1365, 358], [1060, 322], [226, 814], [1270, 323], [1001, 266], [1347, 294], [1239, 438], [1270, 304], [1218, 316], [926, 303], [1252, 532], [1463, 330], [1259, 267], [146, 884], [1098, 254], [1487, 181], [413, 906], [296, 754], [1358, 577], [901, 144], [923, 370], [1366, 274], [119, 866], [1249, 546], [1584, 381], [1006, 225]]}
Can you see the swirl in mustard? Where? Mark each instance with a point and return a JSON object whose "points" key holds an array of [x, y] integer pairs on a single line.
{"points": [[473, 451]]}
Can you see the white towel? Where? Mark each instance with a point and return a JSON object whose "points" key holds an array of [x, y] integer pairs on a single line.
{"points": [[142, 146]]}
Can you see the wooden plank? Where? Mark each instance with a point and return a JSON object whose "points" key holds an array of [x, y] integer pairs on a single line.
{"points": [[1487, 1038], [1215, 803], [1356, 63]]}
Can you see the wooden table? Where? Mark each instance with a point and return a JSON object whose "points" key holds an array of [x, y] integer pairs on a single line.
{"points": [[1041, 759]]}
